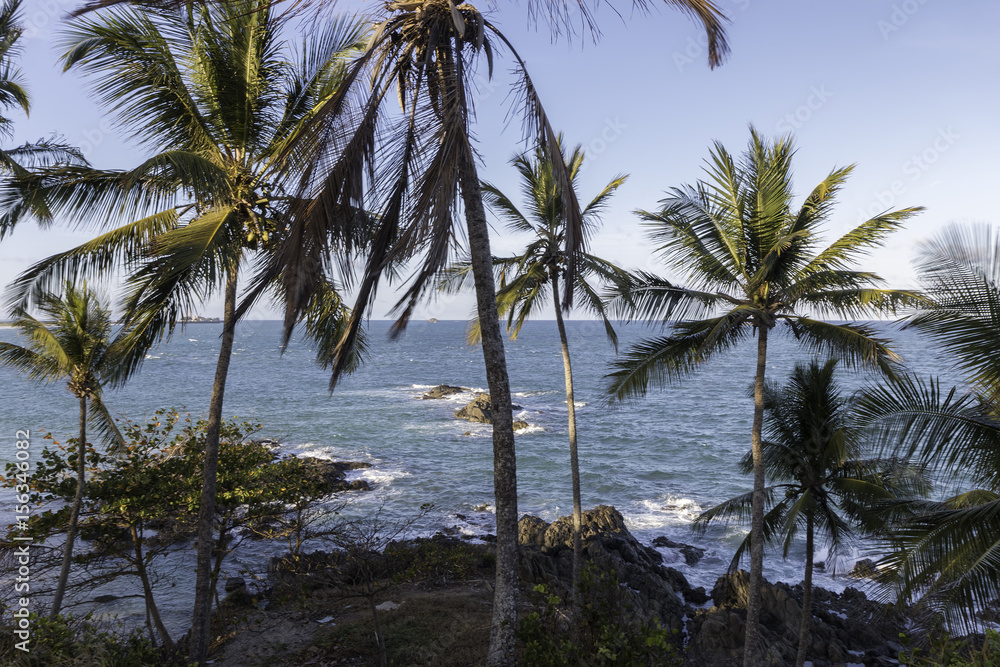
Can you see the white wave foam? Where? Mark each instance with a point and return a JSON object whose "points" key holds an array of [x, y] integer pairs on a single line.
{"points": [[192, 340], [152, 356], [531, 428], [663, 511], [380, 476]]}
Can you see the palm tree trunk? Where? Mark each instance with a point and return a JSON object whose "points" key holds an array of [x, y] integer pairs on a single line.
{"points": [[74, 513], [502, 641], [147, 591], [800, 659], [751, 645], [202, 616], [574, 463]]}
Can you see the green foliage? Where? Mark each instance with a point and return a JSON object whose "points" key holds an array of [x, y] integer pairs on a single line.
{"points": [[144, 502], [602, 630], [67, 640], [946, 651]]}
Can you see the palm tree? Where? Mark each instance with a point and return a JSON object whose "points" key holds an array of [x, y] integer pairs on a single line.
{"points": [[944, 552], [752, 262], [74, 343], [13, 94], [811, 453], [219, 97], [530, 279]]}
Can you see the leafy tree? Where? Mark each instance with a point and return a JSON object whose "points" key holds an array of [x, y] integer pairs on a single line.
{"points": [[143, 501], [753, 265], [528, 280], [219, 98], [943, 553], [812, 455], [76, 347]]}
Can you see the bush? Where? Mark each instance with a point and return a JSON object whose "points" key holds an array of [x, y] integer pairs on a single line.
{"points": [[946, 651], [69, 641], [602, 630]]}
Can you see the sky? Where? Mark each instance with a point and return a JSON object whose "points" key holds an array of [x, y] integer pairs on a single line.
{"points": [[904, 89]]}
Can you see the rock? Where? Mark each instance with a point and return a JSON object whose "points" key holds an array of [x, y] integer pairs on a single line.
{"points": [[531, 531], [360, 485], [520, 425], [864, 569], [102, 599], [652, 590], [691, 554], [388, 606], [235, 583], [481, 410], [443, 390]]}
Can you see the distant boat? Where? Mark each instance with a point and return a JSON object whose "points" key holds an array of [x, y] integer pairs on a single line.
{"points": [[189, 319], [432, 320]]}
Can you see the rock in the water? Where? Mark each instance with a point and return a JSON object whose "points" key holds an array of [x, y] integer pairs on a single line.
{"points": [[691, 554], [360, 485], [481, 410], [443, 390]]}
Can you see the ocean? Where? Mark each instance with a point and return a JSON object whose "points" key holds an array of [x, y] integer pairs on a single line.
{"points": [[660, 460]]}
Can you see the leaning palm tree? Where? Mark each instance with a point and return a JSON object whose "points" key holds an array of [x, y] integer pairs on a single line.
{"points": [[528, 280], [812, 456], [753, 265], [73, 342], [943, 553], [218, 96]]}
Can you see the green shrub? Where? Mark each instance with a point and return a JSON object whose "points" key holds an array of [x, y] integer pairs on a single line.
{"points": [[67, 641], [602, 630], [946, 651]]}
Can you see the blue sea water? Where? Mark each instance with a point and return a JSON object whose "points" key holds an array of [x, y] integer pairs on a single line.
{"points": [[660, 460]]}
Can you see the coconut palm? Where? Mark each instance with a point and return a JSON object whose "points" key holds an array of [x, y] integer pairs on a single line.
{"points": [[530, 279], [944, 553], [812, 457], [73, 343], [218, 96], [753, 265], [14, 94]]}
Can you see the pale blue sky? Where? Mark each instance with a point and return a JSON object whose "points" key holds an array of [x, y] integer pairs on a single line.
{"points": [[905, 89]]}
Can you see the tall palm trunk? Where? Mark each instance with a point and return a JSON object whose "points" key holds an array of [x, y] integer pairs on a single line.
{"points": [[74, 513], [800, 659], [751, 645], [574, 463], [201, 618], [147, 591], [501, 651]]}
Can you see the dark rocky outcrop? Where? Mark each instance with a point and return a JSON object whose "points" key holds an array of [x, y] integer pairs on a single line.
{"points": [[443, 390], [656, 591], [846, 627], [691, 554], [333, 474], [481, 410]]}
